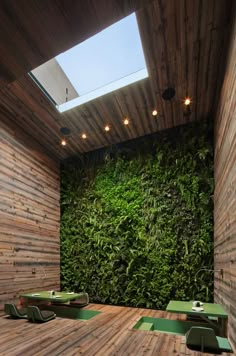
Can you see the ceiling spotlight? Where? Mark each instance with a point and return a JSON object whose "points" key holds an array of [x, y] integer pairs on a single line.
{"points": [[107, 128], [187, 101], [84, 136], [63, 142], [155, 112], [126, 121], [187, 109]]}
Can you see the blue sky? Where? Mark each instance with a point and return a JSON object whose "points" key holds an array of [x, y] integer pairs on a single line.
{"points": [[104, 58]]}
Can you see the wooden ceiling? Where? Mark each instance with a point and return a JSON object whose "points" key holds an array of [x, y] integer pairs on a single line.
{"points": [[184, 41]]}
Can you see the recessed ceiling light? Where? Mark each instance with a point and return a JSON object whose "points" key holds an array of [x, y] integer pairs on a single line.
{"points": [[155, 112], [187, 101], [84, 136], [126, 121], [107, 128], [63, 142], [168, 94]]}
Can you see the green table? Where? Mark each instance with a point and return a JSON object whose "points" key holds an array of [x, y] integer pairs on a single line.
{"points": [[58, 297], [210, 310]]}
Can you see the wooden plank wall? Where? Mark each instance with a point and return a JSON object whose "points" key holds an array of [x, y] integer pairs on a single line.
{"points": [[29, 216], [225, 190]]}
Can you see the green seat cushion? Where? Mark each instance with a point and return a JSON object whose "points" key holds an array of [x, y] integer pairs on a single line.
{"points": [[22, 311], [47, 314], [224, 344], [146, 326]]}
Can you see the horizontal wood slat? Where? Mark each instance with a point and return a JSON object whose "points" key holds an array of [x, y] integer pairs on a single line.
{"points": [[225, 189], [29, 217]]}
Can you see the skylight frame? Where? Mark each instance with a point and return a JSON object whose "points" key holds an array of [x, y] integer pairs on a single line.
{"points": [[99, 91], [106, 89]]}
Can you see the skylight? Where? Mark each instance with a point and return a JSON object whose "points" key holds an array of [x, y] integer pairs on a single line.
{"points": [[110, 60]]}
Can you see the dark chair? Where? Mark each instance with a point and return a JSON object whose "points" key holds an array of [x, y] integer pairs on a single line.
{"points": [[14, 312], [35, 314], [82, 301], [204, 339]]}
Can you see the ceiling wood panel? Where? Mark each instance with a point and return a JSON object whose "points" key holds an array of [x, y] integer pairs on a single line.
{"points": [[34, 31], [184, 43]]}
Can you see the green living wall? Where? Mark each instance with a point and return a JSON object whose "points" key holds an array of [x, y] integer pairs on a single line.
{"points": [[137, 220]]}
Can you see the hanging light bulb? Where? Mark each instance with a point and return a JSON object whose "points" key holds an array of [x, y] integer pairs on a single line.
{"points": [[107, 128], [63, 142], [84, 136], [154, 112]]}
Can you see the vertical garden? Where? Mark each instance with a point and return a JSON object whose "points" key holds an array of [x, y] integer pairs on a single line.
{"points": [[137, 220]]}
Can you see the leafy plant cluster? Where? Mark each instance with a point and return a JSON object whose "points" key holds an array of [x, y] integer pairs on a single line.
{"points": [[137, 229]]}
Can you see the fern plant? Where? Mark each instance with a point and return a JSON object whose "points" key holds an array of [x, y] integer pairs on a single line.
{"points": [[137, 220]]}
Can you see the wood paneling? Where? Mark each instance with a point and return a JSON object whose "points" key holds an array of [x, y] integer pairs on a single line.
{"points": [[183, 40], [225, 190], [29, 216], [107, 334]]}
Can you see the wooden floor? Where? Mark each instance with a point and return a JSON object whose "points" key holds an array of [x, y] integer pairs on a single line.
{"points": [[109, 333]]}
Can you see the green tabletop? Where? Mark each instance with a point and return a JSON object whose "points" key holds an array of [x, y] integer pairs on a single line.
{"points": [[60, 297], [210, 309]]}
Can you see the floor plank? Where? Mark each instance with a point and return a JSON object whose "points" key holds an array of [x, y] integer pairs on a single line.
{"points": [[110, 333]]}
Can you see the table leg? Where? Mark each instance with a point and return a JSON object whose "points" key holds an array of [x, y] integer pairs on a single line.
{"points": [[23, 302], [223, 322]]}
